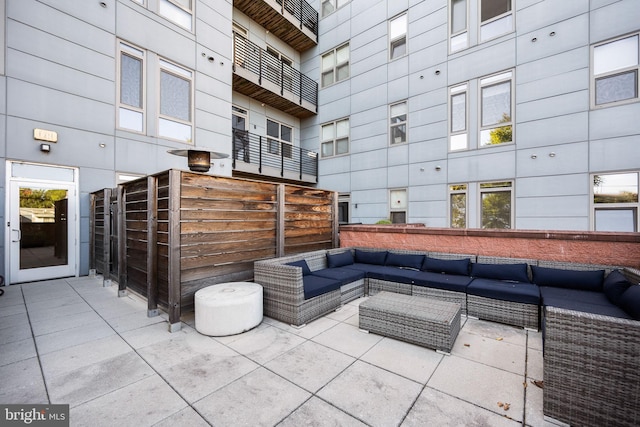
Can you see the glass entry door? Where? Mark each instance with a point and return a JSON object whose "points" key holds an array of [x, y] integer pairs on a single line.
{"points": [[42, 229]]}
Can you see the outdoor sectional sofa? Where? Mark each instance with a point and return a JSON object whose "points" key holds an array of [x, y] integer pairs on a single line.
{"points": [[589, 314]]}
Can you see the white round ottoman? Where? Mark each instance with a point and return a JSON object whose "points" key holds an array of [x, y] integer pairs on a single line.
{"points": [[228, 308]]}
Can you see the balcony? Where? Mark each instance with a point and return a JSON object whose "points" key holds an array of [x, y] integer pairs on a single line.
{"points": [[255, 155], [265, 78], [293, 21]]}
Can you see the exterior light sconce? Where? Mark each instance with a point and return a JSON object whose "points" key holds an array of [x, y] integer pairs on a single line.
{"points": [[552, 154], [534, 156], [45, 148], [199, 160], [533, 40], [552, 33], [103, 4], [438, 168], [437, 72]]}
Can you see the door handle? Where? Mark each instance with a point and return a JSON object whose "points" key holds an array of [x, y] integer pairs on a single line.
{"points": [[19, 235]]}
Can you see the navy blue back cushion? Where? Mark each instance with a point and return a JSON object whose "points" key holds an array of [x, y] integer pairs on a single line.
{"points": [[509, 272], [448, 266], [371, 257], [340, 259], [404, 260], [630, 301], [303, 264], [570, 279], [615, 284]]}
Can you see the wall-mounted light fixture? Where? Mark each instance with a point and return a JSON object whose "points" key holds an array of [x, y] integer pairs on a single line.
{"points": [[199, 160], [552, 154], [534, 156], [438, 168], [103, 4], [45, 148]]}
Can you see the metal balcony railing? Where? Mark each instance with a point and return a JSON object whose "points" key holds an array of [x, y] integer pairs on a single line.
{"points": [[251, 57], [266, 152], [303, 11]]}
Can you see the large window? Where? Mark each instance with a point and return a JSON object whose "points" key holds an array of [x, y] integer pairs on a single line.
{"points": [[496, 18], [458, 205], [398, 36], [178, 11], [279, 137], [335, 65], [175, 102], [335, 138], [496, 200], [398, 203], [398, 122], [459, 32], [615, 71], [458, 136], [131, 83], [329, 6], [496, 110], [615, 202]]}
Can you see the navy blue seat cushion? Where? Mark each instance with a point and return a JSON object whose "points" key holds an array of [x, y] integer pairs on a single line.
{"points": [[393, 274], [570, 279], [316, 285], [522, 292], [340, 259], [448, 266], [303, 264], [404, 260], [370, 257], [342, 274], [614, 285], [447, 282], [367, 268], [580, 300], [630, 301], [510, 272]]}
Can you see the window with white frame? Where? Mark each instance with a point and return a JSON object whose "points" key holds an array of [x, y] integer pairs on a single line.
{"points": [[398, 205], [496, 18], [459, 33], [615, 202], [330, 6], [344, 200], [398, 36], [496, 201], [458, 205], [458, 133], [398, 122], [131, 88], [175, 119], [279, 138], [615, 71], [178, 11], [334, 138], [496, 109], [335, 65]]}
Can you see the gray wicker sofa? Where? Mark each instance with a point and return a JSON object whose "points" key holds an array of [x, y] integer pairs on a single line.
{"points": [[591, 344]]}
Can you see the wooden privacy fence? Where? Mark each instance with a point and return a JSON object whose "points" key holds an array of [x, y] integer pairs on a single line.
{"points": [[167, 235]]}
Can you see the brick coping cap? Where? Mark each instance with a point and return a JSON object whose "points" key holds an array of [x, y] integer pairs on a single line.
{"points": [[593, 236]]}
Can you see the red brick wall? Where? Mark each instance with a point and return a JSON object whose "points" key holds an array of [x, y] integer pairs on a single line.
{"points": [[622, 249]]}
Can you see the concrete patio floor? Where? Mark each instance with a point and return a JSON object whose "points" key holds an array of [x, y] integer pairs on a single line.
{"points": [[76, 342]]}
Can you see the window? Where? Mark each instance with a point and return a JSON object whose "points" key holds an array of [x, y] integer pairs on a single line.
{"points": [[458, 138], [329, 6], [496, 18], [615, 71], [398, 36], [344, 200], [458, 205], [241, 142], [459, 33], [335, 138], [279, 136], [398, 213], [335, 65], [131, 98], [496, 202], [279, 69], [615, 202], [496, 111], [178, 11], [175, 102], [398, 122]]}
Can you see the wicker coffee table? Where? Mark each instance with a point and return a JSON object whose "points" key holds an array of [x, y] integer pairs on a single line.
{"points": [[418, 320]]}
